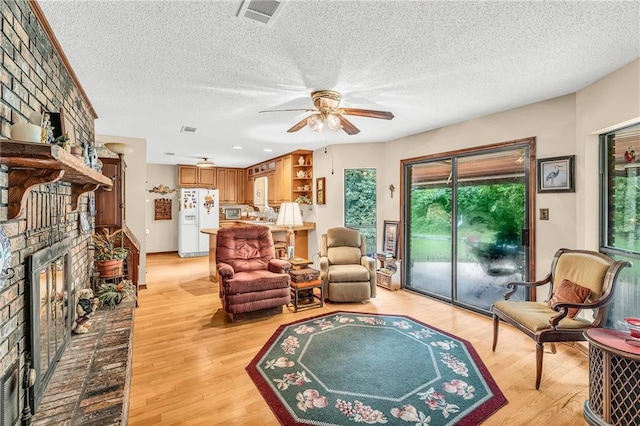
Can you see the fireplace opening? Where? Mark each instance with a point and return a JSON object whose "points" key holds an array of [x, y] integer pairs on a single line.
{"points": [[49, 318]]}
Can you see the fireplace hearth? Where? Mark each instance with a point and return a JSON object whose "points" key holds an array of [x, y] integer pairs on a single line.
{"points": [[49, 317]]}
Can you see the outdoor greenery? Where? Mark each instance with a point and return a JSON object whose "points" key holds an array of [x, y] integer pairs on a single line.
{"points": [[625, 229], [360, 204], [491, 214]]}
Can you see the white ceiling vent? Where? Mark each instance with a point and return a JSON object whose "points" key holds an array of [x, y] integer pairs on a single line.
{"points": [[187, 129], [263, 11]]}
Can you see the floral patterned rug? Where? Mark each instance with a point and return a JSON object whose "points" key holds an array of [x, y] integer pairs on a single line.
{"points": [[344, 368]]}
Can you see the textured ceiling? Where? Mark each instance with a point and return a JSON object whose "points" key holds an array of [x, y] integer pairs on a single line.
{"points": [[150, 67]]}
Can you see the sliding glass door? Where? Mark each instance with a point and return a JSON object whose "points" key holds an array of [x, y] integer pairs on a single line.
{"points": [[467, 225]]}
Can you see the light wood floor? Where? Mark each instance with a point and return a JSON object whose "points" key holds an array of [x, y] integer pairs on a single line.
{"points": [[189, 360]]}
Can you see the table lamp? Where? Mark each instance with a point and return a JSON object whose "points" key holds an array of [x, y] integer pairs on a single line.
{"points": [[290, 215]]}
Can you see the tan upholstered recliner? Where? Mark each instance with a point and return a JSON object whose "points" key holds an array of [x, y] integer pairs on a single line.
{"points": [[347, 274], [251, 278], [548, 324]]}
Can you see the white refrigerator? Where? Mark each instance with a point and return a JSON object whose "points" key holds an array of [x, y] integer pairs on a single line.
{"points": [[199, 208]]}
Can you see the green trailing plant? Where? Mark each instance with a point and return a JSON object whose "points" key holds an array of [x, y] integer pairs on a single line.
{"points": [[110, 295], [303, 199], [108, 246]]}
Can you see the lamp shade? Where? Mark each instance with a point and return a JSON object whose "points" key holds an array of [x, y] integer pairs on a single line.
{"points": [[118, 147], [289, 215]]}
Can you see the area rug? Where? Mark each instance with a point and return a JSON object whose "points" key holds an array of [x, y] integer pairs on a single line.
{"points": [[343, 368]]}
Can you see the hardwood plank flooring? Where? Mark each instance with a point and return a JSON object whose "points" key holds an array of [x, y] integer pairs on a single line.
{"points": [[189, 359]]}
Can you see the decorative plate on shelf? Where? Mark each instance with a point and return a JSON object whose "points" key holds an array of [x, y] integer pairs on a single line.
{"points": [[5, 257]]}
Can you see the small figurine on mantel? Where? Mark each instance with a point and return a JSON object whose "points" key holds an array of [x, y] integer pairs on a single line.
{"points": [[87, 305]]}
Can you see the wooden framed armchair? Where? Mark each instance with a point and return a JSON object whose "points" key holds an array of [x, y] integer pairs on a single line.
{"points": [[555, 319], [251, 278]]}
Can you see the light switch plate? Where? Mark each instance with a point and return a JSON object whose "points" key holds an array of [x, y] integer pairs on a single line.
{"points": [[544, 214]]}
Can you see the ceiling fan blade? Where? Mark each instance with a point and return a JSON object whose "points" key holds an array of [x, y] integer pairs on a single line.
{"points": [[385, 115], [348, 126], [280, 110], [299, 125]]}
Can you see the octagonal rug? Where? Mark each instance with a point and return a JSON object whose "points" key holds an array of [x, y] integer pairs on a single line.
{"points": [[344, 368]]}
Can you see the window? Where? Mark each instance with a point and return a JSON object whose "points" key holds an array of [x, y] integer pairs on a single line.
{"points": [[621, 190], [360, 204]]}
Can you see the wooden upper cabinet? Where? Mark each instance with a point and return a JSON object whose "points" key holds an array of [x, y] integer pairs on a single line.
{"points": [[283, 179], [248, 190], [272, 187], [231, 188], [187, 176], [240, 187], [196, 177], [207, 178]]}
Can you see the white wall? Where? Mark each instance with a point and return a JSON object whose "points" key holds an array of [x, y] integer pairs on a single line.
{"points": [[607, 104], [136, 175], [562, 126], [163, 234]]}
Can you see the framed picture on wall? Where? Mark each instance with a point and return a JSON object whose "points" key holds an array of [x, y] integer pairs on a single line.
{"points": [[556, 174], [390, 237], [320, 191]]}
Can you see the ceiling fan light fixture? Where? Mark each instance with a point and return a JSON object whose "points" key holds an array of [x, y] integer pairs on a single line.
{"points": [[205, 163], [316, 123], [333, 122]]}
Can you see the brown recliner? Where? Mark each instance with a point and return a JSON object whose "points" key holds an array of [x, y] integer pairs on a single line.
{"points": [[251, 278], [347, 273]]}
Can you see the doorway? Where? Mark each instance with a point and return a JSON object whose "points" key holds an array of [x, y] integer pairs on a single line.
{"points": [[467, 223]]}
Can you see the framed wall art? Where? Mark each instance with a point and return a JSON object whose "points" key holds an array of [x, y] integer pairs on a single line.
{"points": [[162, 209], [233, 213], [556, 174], [390, 237], [320, 191]]}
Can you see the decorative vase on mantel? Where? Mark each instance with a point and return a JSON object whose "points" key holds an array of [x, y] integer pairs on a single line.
{"points": [[301, 161]]}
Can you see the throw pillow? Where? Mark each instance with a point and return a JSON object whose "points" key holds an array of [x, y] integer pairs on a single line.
{"points": [[570, 292]]}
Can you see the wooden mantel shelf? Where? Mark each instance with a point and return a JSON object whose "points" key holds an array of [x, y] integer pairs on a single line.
{"points": [[31, 164]]}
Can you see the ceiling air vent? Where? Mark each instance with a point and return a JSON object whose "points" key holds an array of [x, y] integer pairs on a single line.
{"points": [[263, 11], [187, 129]]}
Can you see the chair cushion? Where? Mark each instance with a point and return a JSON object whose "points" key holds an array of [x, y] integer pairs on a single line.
{"points": [[245, 247], [344, 255], [570, 292], [585, 268], [348, 273], [535, 315], [256, 280], [338, 237]]}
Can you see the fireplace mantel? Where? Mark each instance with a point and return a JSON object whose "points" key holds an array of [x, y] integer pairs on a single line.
{"points": [[31, 164]]}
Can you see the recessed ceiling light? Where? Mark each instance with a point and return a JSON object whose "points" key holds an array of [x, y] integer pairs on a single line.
{"points": [[236, 147], [268, 150]]}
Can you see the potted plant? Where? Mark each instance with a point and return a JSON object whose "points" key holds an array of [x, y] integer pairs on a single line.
{"points": [[109, 253], [110, 294]]}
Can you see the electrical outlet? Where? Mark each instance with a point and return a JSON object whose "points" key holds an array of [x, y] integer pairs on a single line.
{"points": [[544, 214]]}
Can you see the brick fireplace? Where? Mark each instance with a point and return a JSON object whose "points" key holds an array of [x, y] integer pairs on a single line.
{"points": [[50, 313], [36, 76]]}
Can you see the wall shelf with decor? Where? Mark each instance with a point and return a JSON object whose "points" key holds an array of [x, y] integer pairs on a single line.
{"points": [[31, 164]]}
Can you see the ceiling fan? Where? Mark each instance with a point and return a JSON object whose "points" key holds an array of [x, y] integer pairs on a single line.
{"points": [[327, 111]]}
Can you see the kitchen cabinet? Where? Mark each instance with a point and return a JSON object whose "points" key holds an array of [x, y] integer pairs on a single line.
{"points": [[196, 177], [302, 175], [227, 179], [240, 187], [248, 189], [288, 177], [272, 187], [283, 179]]}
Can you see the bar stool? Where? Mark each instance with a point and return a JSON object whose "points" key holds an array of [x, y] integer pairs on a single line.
{"points": [[281, 249]]}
